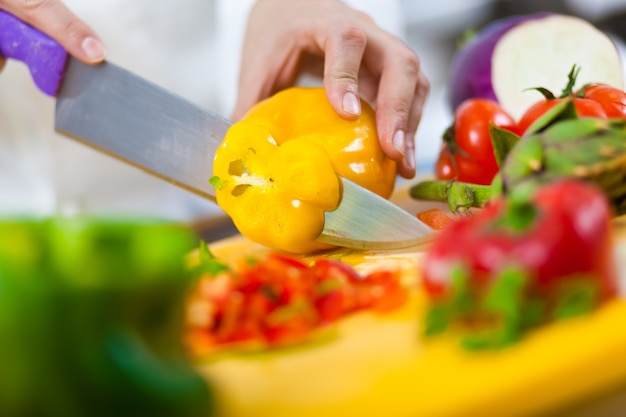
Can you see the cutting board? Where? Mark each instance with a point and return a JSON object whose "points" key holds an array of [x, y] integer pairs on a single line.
{"points": [[377, 365]]}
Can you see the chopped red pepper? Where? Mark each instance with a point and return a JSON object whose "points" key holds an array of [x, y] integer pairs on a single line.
{"points": [[517, 262], [282, 300]]}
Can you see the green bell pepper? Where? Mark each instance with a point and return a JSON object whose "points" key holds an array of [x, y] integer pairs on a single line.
{"points": [[91, 315]]}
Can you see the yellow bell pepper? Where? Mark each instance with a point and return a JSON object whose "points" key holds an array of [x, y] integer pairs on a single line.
{"points": [[276, 172]]}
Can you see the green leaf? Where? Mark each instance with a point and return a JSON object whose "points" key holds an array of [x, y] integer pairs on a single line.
{"points": [[436, 320], [519, 216], [571, 81], [502, 141], [505, 302], [459, 304], [577, 295], [547, 94], [533, 312], [462, 303], [563, 110], [496, 186], [524, 160], [505, 297], [209, 264]]}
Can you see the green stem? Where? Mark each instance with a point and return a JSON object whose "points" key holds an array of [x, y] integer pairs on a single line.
{"points": [[460, 196], [430, 190]]}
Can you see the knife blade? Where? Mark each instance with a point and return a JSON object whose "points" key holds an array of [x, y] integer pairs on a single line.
{"points": [[119, 113], [109, 108]]}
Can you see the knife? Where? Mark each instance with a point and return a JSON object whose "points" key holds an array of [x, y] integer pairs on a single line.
{"points": [[114, 111]]}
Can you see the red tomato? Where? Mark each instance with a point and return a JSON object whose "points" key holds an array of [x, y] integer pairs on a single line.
{"points": [[584, 108], [444, 168], [469, 149], [612, 100]]}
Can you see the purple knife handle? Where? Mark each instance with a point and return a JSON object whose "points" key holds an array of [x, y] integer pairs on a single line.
{"points": [[44, 56]]}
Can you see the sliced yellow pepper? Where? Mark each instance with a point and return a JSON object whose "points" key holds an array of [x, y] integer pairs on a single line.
{"points": [[277, 169]]}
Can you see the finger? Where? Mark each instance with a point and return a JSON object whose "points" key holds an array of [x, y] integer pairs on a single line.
{"points": [[3, 61], [407, 167], [56, 20], [398, 107], [343, 51]]}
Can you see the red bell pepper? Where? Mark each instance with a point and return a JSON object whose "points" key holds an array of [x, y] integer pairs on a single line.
{"points": [[522, 261]]}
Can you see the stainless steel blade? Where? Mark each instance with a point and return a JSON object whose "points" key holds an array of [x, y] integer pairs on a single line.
{"points": [[365, 220], [123, 115]]}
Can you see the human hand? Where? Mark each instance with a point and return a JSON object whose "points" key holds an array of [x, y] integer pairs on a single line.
{"points": [[53, 18], [360, 58]]}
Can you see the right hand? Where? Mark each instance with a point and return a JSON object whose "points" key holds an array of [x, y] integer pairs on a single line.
{"points": [[53, 18], [359, 58]]}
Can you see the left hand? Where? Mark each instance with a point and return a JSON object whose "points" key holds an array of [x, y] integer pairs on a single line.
{"points": [[360, 59]]}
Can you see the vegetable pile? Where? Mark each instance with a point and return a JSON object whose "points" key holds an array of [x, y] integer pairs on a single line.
{"points": [[546, 173], [279, 300], [559, 140]]}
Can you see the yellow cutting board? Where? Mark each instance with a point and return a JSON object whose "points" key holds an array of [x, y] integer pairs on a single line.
{"points": [[376, 365]]}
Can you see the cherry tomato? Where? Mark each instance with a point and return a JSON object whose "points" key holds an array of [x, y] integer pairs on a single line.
{"points": [[612, 100], [469, 155], [584, 108]]}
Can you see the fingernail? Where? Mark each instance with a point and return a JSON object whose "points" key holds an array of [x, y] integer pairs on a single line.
{"points": [[351, 104], [398, 141], [94, 49]]}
